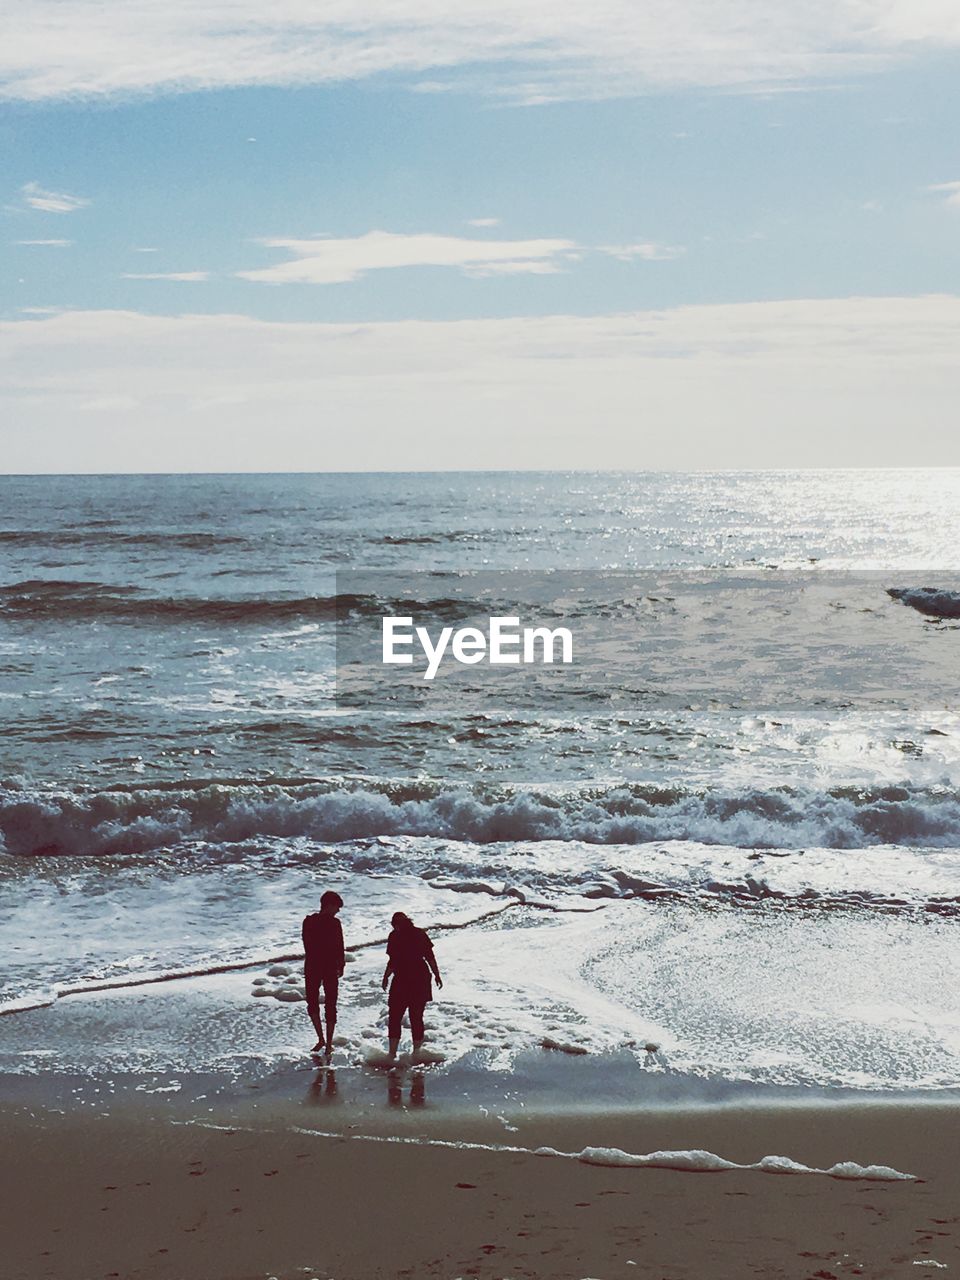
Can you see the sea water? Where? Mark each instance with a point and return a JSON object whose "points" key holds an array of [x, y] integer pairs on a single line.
{"points": [[761, 880]]}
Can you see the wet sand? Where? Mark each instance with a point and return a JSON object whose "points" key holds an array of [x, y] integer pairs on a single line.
{"points": [[139, 1191], [227, 1164]]}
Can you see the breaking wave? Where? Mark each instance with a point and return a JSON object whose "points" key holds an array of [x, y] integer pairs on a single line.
{"points": [[135, 820]]}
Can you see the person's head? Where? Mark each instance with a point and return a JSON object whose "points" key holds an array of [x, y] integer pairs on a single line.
{"points": [[401, 921], [331, 902]]}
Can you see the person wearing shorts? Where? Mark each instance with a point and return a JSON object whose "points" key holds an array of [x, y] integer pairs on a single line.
{"points": [[323, 961]]}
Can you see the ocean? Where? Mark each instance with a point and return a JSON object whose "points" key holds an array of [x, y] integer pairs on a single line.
{"points": [[729, 873]]}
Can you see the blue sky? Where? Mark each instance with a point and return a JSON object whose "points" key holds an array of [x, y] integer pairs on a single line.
{"points": [[609, 178]]}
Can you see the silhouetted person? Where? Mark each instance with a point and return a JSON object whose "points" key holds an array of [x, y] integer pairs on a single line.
{"points": [[411, 960], [323, 966]]}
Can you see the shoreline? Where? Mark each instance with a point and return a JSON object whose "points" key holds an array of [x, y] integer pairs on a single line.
{"points": [[181, 1130], [150, 1187]]}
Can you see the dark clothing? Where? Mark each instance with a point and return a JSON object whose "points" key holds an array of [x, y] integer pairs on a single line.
{"points": [[397, 1006], [322, 944], [323, 964], [408, 950], [330, 982]]}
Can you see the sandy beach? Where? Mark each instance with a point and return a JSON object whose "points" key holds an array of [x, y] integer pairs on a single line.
{"points": [[151, 1192], [180, 1130]]}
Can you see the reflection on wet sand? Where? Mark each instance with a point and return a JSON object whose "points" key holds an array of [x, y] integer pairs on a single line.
{"points": [[418, 1088], [323, 1087], [325, 1090]]}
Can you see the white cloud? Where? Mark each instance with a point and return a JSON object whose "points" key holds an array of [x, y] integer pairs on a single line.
{"points": [[647, 252], [483, 222], [540, 51], [184, 276], [52, 244], [951, 191], [36, 197], [824, 382], [145, 249], [331, 261], [539, 267]]}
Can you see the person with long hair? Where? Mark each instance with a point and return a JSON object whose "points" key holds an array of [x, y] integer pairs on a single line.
{"points": [[410, 961]]}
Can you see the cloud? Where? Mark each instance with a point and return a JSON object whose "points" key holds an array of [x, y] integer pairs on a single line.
{"points": [[331, 261], [483, 222], [797, 382], [183, 276], [951, 191], [36, 197], [541, 51], [325, 260], [648, 252], [485, 270], [52, 244]]}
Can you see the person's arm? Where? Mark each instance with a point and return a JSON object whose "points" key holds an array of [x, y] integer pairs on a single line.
{"points": [[389, 969], [303, 934], [431, 960], [341, 954]]}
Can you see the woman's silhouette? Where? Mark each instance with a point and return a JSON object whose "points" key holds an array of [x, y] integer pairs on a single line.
{"points": [[411, 961]]}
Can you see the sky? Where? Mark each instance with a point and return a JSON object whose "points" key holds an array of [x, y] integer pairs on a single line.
{"points": [[410, 235]]}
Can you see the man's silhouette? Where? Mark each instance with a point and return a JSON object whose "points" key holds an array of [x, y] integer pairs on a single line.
{"points": [[323, 966]]}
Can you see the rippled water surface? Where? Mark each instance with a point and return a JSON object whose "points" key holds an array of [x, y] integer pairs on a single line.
{"points": [[178, 781]]}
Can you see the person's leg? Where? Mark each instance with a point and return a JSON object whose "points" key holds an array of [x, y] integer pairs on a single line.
{"points": [[396, 1006], [416, 1026], [312, 986], [331, 987]]}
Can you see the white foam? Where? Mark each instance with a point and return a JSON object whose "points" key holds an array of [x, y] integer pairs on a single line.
{"points": [[424, 1057], [688, 1161], [699, 1161], [874, 1172], [696, 1161], [378, 1058]]}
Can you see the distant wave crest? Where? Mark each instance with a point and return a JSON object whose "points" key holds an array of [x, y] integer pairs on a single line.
{"points": [[98, 537], [63, 600]]}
